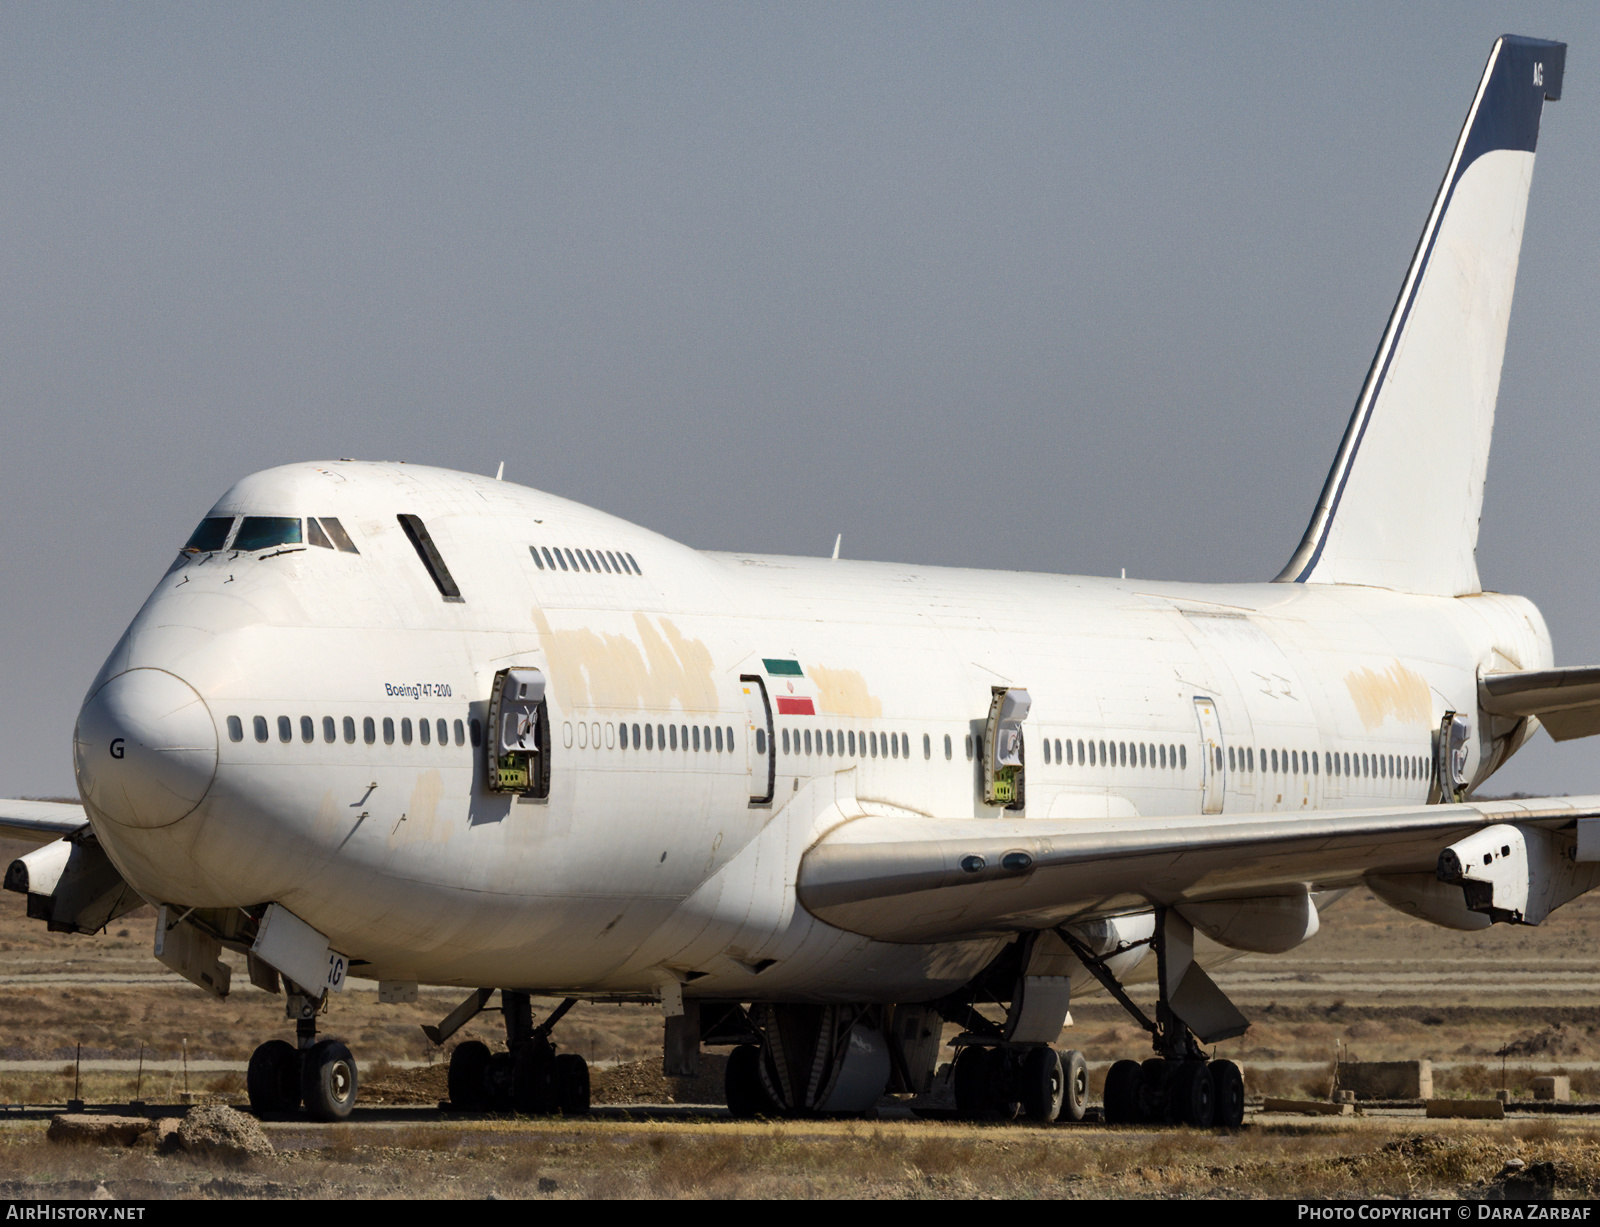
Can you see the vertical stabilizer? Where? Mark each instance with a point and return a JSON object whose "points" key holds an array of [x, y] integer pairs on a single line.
{"points": [[1401, 505]]}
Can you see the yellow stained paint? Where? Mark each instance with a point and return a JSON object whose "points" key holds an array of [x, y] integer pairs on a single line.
{"points": [[421, 824], [1396, 693], [843, 692], [660, 668]]}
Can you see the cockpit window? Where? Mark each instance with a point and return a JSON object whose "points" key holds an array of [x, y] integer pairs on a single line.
{"points": [[336, 534], [327, 533], [211, 534], [263, 532]]}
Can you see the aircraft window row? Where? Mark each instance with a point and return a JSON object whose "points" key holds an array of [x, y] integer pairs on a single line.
{"points": [[594, 561], [1115, 753], [850, 744], [1337, 763], [428, 732], [704, 738], [265, 532]]}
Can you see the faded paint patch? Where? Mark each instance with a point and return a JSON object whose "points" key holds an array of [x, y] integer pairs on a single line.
{"points": [[843, 692], [660, 668], [425, 796], [420, 823], [1397, 692]]}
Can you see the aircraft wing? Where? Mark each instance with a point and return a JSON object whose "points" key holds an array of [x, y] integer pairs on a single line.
{"points": [[39, 822], [1567, 701], [906, 879]]}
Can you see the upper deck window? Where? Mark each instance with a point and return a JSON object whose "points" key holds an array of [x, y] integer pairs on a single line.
{"points": [[211, 535], [417, 532], [264, 532]]}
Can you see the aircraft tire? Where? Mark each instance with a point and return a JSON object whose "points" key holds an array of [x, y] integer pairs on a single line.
{"points": [[572, 1084], [534, 1080], [1123, 1093], [273, 1077], [329, 1081], [1227, 1084], [467, 1080], [747, 1098], [1074, 1086], [1154, 1100], [1042, 1084], [1003, 1094], [970, 1081], [1191, 1097]]}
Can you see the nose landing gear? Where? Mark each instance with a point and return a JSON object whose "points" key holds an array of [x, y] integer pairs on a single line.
{"points": [[321, 1074]]}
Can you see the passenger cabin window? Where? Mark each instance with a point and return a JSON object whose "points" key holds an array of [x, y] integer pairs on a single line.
{"points": [[235, 729], [264, 532], [211, 535]]}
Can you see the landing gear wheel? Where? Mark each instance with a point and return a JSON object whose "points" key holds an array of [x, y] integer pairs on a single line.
{"points": [[273, 1078], [1155, 1074], [1227, 1090], [1042, 1084], [572, 1084], [328, 1081], [533, 1080], [1074, 1086], [1001, 1092], [1124, 1087], [971, 1078], [1190, 1096], [747, 1097], [468, 1077]]}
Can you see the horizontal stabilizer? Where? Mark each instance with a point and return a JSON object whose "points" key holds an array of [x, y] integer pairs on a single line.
{"points": [[1567, 701], [903, 879]]}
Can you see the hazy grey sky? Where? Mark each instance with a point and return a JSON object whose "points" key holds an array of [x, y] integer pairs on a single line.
{"points": [[1043, 287]]}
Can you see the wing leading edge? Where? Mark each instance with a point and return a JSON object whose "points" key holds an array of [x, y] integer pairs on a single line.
{"points": [[39, 822], [903, 879]]}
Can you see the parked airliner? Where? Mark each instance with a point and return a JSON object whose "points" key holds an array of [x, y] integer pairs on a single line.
{"points": [[425, 727]]}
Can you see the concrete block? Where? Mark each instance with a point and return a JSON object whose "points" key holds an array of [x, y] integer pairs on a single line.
{"points": [[1471, 1109], [99, 1130], [1554, 1087], [1387, 1079], [1308, 1107]]}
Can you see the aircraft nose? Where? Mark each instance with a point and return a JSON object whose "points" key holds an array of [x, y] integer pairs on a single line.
{"points": [[145, 749]]}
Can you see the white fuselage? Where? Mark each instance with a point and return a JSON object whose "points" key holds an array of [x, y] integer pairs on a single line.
{"points": [[630, 873]]}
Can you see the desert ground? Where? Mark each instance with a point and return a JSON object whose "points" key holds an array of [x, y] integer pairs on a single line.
{"points": [[98, 1019]]}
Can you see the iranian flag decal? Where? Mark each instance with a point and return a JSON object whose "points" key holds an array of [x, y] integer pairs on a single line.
{"points": [[790, 704]]}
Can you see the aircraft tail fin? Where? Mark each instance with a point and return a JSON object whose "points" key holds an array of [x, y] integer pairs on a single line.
{"points": [[1401, 504]]}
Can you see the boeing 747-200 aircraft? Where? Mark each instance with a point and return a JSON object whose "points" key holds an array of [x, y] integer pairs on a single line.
{"points": [[425, 727]]}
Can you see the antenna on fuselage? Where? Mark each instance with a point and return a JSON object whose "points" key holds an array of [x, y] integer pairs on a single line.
{"points": [[836, 543], [499, 474]]}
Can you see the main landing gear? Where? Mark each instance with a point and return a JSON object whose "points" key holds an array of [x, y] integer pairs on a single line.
{"points": [[1180, 1084], [529, 1077], [321, 1074], [1033, 1081]]}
